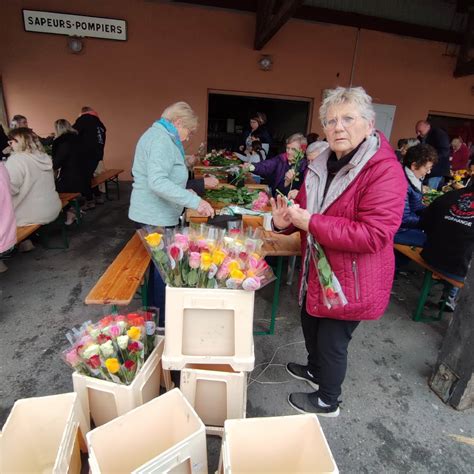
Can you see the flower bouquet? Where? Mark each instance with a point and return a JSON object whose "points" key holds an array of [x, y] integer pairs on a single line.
{"points": [[219, 158], [202, 256], [113, 349], [333, 296], [250, 198]]}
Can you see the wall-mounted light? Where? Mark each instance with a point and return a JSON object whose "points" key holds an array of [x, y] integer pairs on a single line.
{"points": [[265, 62], [75, 44]]}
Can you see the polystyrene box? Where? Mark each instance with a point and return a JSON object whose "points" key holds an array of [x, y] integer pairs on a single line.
{"points": [[216, 392], [105, 400], [42, 435], [164, 435], [277, 444], [209, 326]]}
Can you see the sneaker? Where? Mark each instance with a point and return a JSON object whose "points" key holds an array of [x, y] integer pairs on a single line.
{"points": [[309, 403], [3, 267], [301, 372]]}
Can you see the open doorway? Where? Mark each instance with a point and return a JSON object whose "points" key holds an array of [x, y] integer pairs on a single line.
{"points": [[454, 125], [229, 114]]}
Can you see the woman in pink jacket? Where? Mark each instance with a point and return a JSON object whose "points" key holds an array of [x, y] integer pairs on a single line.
{"points": [[350, 204]]}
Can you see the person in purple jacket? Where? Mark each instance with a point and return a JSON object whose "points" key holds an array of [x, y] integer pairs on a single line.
{"points": [[275, 169]]}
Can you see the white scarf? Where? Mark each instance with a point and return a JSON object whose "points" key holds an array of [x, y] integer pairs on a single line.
{"points": [[413, 179]]}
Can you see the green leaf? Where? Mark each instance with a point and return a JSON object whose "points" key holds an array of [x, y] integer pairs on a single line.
{"points": [[192, 277], [211, 283]]}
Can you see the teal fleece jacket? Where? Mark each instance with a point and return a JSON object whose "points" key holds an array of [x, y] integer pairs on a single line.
{"points": [[159, 180]]}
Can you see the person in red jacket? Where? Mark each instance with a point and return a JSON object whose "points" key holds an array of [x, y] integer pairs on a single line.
{"points": [[351, 203], [460, 155]]}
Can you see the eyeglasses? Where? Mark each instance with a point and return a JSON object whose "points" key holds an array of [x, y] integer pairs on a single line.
{"points": [[346, 121], [11, 140]]}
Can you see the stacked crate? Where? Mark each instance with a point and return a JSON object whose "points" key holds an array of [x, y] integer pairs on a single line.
{"points": [[209, 337]]}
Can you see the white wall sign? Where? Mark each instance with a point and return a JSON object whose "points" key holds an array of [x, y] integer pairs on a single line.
{"points": [[74, 25], [384, 115]]}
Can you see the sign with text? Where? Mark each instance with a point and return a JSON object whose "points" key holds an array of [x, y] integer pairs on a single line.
{"points": [[74, 25]]}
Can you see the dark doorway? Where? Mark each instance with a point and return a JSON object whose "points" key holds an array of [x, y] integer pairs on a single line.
{"points": [[454, 126], [229, 116]]}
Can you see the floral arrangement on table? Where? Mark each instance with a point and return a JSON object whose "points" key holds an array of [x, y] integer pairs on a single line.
{"points": [[251, 198], [202, 256], [113, 349], [220, 158]]}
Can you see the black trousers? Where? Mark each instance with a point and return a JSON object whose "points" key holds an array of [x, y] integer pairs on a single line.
{"points": [[326, 342]]}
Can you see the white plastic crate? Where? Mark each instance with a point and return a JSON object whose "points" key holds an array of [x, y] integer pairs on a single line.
{"points": [[164, 435], [277, 444], [209, 326], [105, 400], [42, 435], [216, 392]]}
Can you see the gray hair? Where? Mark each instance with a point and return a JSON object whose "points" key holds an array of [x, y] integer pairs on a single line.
{"points": [[297, 137], [182, 111], [62, 126], [345, 95], [412, 142], [318, 146]]}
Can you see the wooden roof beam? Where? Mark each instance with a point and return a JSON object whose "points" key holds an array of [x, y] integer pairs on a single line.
{"points": [[269, 23]]}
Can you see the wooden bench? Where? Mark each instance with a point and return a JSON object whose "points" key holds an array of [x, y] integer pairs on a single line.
{"points": [[431, 274], [23, 232], [107, 176], [122, 279]]}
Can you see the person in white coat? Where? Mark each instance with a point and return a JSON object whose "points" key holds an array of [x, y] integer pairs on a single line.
{"points": [[34, 196]]}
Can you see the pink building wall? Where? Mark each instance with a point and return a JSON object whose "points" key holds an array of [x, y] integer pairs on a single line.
{"points": [[179, 52]]}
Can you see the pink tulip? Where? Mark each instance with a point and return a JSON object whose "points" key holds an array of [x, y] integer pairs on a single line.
{"points": [[194, 259]]}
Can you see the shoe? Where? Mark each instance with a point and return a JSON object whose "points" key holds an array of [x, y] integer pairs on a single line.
{"points": [[26, 246], [309, 403], [301, 372], [89, 205], [70, 218], [3, 267], [450, 305]]}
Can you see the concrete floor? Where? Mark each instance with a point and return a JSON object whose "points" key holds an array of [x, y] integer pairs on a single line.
{"points": [[390, 420]]}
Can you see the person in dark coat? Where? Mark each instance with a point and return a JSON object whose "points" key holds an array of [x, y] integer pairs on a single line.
{"points": [[92, 133], [447, 223], [418, 162], [258, 131], [69, 162], [439, 140], [279, 171]]}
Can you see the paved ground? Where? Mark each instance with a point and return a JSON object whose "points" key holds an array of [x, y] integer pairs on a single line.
{"points": [[390, 419]]}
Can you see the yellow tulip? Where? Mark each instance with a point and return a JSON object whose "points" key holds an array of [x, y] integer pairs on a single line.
{"points": [[206, 260], [457, 177], [237, 274], [218, 257], [113, 365], [134, 333], [234, 265], [153, 240]]}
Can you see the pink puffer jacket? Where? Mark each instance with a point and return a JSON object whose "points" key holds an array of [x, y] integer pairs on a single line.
{"points": [[359, 217]]}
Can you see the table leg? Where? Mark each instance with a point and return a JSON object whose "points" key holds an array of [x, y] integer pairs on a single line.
{"points": [[425, 291], [275, 302]]}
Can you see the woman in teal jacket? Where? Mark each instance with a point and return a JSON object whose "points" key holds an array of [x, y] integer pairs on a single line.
{"points": [[159, 171]]}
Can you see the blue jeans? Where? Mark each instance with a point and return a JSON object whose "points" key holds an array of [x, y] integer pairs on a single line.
{"points": [[451, 290], [412, 237], [434, 182]]}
